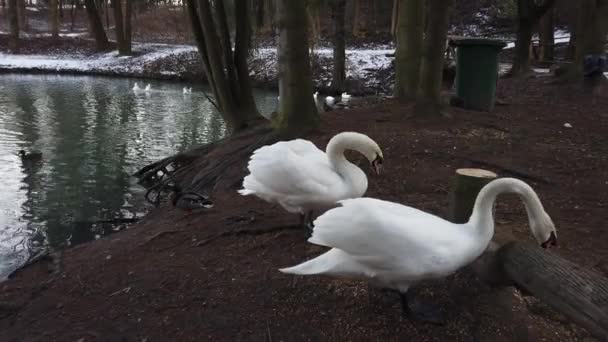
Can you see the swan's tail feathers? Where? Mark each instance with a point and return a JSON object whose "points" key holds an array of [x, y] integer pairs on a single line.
{"points": [[246, 192], [309, 267], [333, 262]]}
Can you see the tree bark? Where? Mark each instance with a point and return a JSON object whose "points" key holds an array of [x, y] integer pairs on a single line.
{"points": [[578, 293], [13, 14], [23, 26], [409, 48], [53, 18], [428, 99], [232, 89], [128, 33], [338, 18], [101, 40], [547, 38], [356, 18], [119, 27], [297, 111], [528, 16], [242, 42], [395, 18]]}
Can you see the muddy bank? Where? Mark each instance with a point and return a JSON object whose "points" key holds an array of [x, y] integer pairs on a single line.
{"points": [[212, 275]]}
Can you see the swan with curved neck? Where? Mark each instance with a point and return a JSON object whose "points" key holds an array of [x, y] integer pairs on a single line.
{"points": [[302, 178], [395, 246]]}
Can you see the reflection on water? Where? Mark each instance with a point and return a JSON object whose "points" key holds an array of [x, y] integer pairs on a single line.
{"points": [[94, 133]]}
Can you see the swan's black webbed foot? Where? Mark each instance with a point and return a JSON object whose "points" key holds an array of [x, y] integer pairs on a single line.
{"points": [[423, 312]]}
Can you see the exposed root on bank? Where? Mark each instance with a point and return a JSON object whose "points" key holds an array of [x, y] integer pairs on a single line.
{"points": [[249, 232], [201, 169]]}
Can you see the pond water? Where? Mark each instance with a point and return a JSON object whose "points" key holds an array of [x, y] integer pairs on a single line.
{"points": [[93, 133]]}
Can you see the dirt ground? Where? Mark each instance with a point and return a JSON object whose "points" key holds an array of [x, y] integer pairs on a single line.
{"points": [[166, 280]]}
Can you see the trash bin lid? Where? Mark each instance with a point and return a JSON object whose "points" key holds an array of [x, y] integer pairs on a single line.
{"points": [[478, 42]]}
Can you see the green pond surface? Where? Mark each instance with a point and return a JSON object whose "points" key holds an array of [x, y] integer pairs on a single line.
{"points": [[94, 133]]}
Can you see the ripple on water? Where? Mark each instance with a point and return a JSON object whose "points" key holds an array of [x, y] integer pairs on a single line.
{"points": [[93, 133]]}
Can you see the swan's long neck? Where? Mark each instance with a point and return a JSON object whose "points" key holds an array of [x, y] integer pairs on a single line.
{"points": [[482, 218], [335, 153]]}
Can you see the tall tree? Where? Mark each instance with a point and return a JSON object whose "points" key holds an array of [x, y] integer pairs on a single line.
{"points": [[13, 15], [546, 35], [409, 48], [529, 13], [54, 18], [226, 71], [96, 26], [431, 74], [338, 8], [297, 110], [356, 25], [592, 28], [122, 26], [21, 9]]}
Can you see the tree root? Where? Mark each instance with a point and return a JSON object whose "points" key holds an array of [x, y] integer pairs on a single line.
{"points": [[159, 234], [248, 232], [200, 169]]}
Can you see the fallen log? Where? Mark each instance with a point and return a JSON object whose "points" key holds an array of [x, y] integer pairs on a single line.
{"points": [[577, 292]]}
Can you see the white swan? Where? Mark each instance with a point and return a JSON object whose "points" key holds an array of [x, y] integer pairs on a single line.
{"points": [[136, 87], [394, 246], [148, 87], [314, 96], [330, 101], [345, 97], [187, 90], [302, 178]]}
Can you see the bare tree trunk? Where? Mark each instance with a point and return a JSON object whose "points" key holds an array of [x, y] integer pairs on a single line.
{"points": [[53, 18], [242, 42], [226, 43], [72, 10], [409, 48], [356, 17], [106, 11], [571, 51], [428, 100], [528, 16], [23, 25], [547, 37], [128, 33], [13, 15], [297, 110], [338, 18], [118, 26], [234, 99], [101, 40], [394, 18]]}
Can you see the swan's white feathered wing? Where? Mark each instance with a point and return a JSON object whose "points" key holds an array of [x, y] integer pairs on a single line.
{"points": [[372, 238], [290, 172]]}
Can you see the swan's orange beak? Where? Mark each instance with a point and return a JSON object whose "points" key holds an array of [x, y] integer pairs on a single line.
{"points": [[377, 165], [552, 241]]}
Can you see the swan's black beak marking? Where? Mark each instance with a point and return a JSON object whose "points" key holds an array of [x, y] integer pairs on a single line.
{"points": [[377, 164], [552, 241]]}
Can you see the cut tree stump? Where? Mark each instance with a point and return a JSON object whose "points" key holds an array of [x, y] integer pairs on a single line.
{"points": [[465, 186]]}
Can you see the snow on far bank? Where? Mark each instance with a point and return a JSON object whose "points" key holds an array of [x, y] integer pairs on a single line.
{"points": [[109, 62], [360, 63]]}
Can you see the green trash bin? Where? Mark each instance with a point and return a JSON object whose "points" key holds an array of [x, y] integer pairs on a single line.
{"points": [[477, 71]]}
